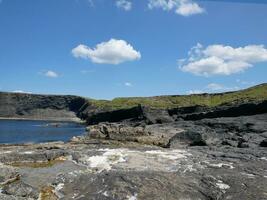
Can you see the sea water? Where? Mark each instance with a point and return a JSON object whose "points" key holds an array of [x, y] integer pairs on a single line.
{"points": [[29, 131]]}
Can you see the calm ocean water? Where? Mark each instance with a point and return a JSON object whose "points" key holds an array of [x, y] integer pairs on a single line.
{"points": [[26, 131]]}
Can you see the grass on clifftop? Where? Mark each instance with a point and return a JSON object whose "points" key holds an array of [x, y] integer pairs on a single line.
{"points": [[258, 92]]}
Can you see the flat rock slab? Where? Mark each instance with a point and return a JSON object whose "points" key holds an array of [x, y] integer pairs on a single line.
{"points": [[91, 172]]}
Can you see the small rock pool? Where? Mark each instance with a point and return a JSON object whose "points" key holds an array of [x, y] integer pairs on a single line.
{"points": [[32, 131]]}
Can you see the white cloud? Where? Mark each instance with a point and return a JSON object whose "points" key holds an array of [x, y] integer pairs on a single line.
{"points": [[112, 52], [222, 60], [213, 87], [181, 7], [21, 91], [124, 4], [128, 84], [50, 74], [187, 9], [195, 92]]}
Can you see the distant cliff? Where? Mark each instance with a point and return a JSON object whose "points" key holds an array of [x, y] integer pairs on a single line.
{"points": [[158, 108], [46, 107]]}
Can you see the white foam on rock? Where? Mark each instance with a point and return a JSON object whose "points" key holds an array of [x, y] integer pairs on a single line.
{"points": [[171, 154], [220, 165], [105, 194], [6, 152], [106, 160], [166, 160], [60, 186], [57, 190], [27, 152], [248, 175], [222, 185]]}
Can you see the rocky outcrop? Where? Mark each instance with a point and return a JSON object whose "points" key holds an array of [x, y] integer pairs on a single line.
{"points": [[227, 110], [147, 115], [240, 132], [159, 135], [29, 106], [134, 113]]}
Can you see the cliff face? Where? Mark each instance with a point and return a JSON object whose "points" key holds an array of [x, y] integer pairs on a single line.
{"points": [[46, 107], [161, 109]]}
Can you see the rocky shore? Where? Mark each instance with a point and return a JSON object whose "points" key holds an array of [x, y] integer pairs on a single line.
{"points": [[142, 153]]}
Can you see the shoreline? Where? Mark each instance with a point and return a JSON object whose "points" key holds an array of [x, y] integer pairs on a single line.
{"points": [[77, 120]]}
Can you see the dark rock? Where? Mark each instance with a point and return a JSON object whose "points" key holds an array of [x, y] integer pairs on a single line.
{"points": [[133, 113], [187, 110], [190, 138], [242, 132], [156, 116], [11, 197], [20, 189], [47, 107], [263, 143], [232, 110], [243, 145], [230, 143]]}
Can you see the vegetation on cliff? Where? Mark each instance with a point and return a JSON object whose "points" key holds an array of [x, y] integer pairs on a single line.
{"points": [[256, 93]]}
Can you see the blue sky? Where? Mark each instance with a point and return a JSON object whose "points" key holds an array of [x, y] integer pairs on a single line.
{"points": [[112, 48]]}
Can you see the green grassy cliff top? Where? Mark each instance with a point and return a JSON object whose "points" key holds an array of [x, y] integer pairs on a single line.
{"points": [[255, 93]]}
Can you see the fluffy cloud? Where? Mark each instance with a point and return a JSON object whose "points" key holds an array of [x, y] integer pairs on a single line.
{"points": [[213, 87], [124, 4], [222, 60], [21, 91], [195, 92], [128, 84], [111, 52], [50, 74], [181, 7]]}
